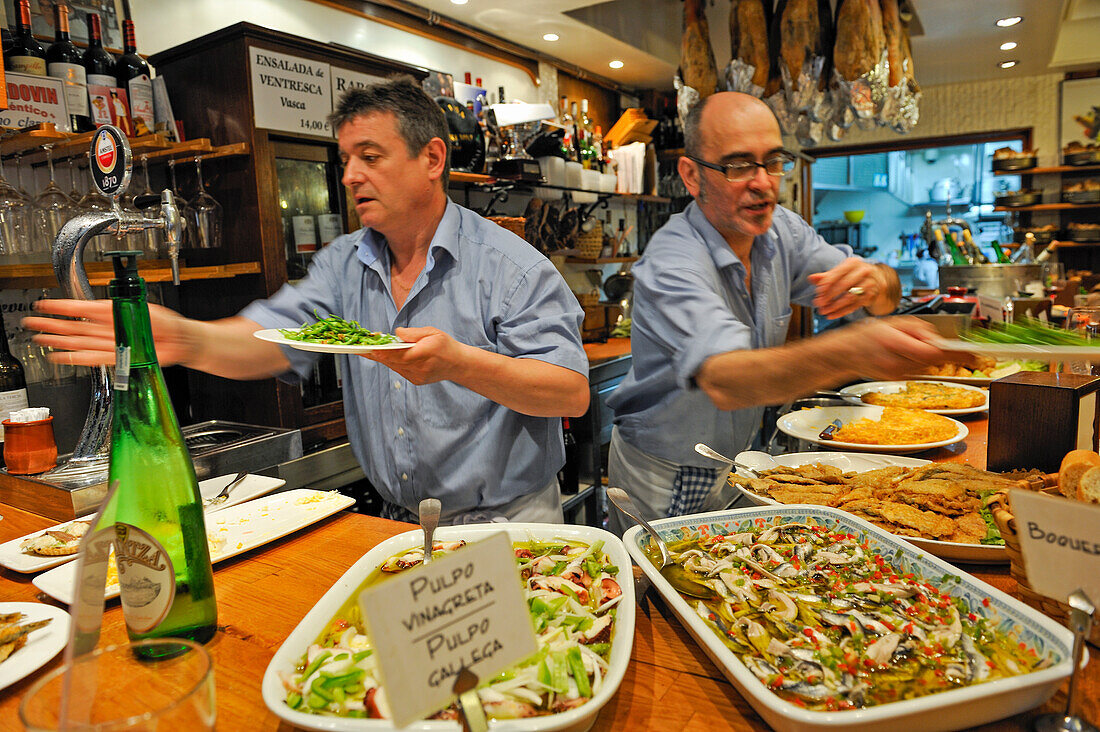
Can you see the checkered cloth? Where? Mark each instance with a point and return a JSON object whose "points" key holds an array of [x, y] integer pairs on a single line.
{"points": [[690, 489], [393, 512]]}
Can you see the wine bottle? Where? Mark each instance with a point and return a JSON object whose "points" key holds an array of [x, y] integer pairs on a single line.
{"points": [[99, 64], [64, 61], [132, 74], [1002, 258], [569, 475], [165, 579], [957, 256], [13, 384], [25, 55], [972, 247]]}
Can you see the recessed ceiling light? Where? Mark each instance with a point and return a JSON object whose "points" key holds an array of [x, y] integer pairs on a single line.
{"points": [[1003, 22], [549, 36], [616, 64], [1008, 46], [1008, 64], [459, 2]]}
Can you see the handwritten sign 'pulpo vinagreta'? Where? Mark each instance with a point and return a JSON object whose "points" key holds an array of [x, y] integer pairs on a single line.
{"points": [[1060, 541], [465, 609]]}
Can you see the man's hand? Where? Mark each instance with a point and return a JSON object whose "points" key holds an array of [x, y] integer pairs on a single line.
{"points": [[851, 285], [435, 357], [886, 349]]}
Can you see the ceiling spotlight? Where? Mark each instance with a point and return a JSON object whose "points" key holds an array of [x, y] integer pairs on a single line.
{"points": [[549, 36], [1002, 23], [1007, 64], [1008, 46], [459, 2], [616, 64]]}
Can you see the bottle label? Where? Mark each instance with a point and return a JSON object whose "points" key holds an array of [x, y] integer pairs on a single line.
{"points": [[141, 100], [330, 226], [122, 368], [305, 234], [28, 65], [75, 84], [10, 401], [146, 578], [101, 80]]}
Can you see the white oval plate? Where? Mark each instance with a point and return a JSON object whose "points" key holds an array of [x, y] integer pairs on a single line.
{"points": [[949, 550], [892, 387], [42, 644], [1021, 350], [807, 424], [971, 380], [272, 335]]}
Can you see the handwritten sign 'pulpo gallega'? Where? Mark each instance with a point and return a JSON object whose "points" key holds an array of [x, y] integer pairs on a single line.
{"points": [[465, 609], [1060, 541]]}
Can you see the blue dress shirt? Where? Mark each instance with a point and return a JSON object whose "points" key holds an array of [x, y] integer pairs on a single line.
{"points": [[485, 287], [691, 303]]}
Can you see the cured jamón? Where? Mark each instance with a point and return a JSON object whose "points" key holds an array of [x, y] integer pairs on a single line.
{"points": [[749, 23], [697, 67], [891, 28], [859, 37]]}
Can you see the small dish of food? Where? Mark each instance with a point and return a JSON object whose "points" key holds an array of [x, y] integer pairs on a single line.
{"points": [[1084, 191], [1023, 197], [938, 397], [1079, 232], [1006, 158], [1077, 153], [580, 594], [874, 429], [332, 335]]}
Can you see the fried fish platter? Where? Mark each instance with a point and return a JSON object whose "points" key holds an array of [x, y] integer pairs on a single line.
{"points": [[942, 501]]}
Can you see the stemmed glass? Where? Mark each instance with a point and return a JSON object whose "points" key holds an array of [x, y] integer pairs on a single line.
{"points": [[29, 240], [15, 217], [52, 208], [186, 232], [152, 238], [204, 214]]}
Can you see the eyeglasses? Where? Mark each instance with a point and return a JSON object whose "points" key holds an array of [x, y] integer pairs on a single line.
{"points": [[777, 164]]}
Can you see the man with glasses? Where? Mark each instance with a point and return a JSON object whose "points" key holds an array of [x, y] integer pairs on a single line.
{"points": [[712, 301]]}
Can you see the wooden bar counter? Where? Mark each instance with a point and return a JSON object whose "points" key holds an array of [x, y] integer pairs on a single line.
{"points": [[263, 594]]}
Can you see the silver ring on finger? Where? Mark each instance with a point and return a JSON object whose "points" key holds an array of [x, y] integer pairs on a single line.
{"points": [[857, 291]]}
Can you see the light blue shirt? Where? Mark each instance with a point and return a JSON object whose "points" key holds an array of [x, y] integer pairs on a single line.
{"points": [[485, 287], [691, 303]]}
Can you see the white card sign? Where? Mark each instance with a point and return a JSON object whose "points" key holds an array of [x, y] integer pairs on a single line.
{"points": [[344, 79], [289, 93], [34, 99], [1060, 542], [464, 609]]}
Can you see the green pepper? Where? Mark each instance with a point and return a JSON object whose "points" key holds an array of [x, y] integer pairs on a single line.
{"points": [[293, 699], [317, 661], [576, 665]]}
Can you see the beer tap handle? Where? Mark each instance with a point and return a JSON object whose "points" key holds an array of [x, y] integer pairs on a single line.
{"points": [[173, 230]]}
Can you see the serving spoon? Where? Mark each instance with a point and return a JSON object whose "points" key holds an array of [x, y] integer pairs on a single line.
{"points": [[752, 461], [681, 580], [429, 510]]}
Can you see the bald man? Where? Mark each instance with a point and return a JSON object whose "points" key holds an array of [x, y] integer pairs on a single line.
{"points": [[712, 301]]}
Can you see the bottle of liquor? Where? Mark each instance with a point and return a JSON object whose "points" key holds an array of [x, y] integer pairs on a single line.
{"points": [[25, 55], [577, 131], [99, 65], [13, 384], [64, 61], [167, 585], [973, 249], [132, 74], [567, 124], [569, 476], [1002, 258]]}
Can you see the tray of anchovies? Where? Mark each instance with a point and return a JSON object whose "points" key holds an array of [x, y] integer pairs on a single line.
{"points": [[824, 621]]}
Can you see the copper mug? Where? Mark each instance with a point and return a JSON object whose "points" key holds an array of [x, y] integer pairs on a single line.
{"points": [[29, 447]]}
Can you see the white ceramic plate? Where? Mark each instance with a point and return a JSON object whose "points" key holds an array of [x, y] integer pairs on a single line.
{"points": [[230, 532], [949, 550], [322, 613], [949, 710], [42, 644], [273, 335], [892, 387], [251, 487], [806, 424], [1022, 350], [971, 380]]}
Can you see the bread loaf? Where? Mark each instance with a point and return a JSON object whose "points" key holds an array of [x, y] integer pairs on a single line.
{"points": [[891, 28], [1074, 465], [697, 67], [749, 37], [1088, 488], [859, 37]]}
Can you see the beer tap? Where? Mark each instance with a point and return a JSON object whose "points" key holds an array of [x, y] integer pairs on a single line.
{"points": [[111, 170]]}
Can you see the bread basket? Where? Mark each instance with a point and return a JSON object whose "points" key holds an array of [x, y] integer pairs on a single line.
{"points": [[514, 224], [589, 243], [1001, 508]]}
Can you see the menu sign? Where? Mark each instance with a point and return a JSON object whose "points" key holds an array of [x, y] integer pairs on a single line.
{"points": [[34, 99], [1060, 542], [463, 610], [289, 93], [343, 79]]}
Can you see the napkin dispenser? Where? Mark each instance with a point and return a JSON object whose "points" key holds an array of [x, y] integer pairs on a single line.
{"points": [[1035, 418]]}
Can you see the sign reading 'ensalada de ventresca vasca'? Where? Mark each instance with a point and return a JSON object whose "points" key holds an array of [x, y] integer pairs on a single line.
{"points": [[289, 93]]}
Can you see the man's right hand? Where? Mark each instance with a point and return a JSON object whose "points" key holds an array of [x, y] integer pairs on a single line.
{"points": [[90, 340], [885, 348]]}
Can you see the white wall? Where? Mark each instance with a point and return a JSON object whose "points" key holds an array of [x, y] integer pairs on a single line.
{"points": [[163, 24]]}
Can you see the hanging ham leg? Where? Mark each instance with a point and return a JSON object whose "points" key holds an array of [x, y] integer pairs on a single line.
{"points": [[697, 67], [749, 37]]}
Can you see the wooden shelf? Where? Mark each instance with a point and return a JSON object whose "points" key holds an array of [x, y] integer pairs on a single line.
{"points": [[458, 176], [67, 145], [28, 276], [487, 180], [671, 153], [1050, 169], [1059, 244], [599, 260], [1047, 207]]}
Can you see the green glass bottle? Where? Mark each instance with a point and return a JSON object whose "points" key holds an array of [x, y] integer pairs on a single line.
{"points": [[167, 584], [1002, 258]]}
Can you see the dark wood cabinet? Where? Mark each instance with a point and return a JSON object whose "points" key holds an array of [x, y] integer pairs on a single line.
{"points": [[210, 84]]}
